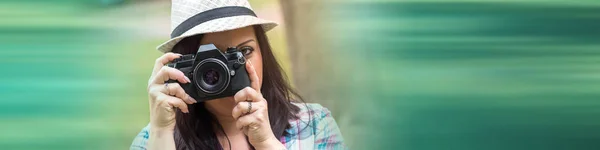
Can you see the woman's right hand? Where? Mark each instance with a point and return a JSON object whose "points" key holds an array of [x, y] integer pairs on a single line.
{"points": [[165, 97]]}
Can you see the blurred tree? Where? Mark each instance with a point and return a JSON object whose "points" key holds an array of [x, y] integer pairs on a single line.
{"points": [[311, 71]]}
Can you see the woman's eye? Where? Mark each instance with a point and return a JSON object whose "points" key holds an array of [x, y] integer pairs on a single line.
{"points": [[246, 50]]}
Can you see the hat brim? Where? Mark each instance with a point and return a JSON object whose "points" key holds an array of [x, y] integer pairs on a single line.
{"points": [[218, 25]]}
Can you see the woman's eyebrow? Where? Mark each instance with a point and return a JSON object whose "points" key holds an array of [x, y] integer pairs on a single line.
{"points": [[250, 40]]}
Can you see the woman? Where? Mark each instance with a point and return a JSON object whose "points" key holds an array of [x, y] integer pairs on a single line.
{"points": [[262, 116]]}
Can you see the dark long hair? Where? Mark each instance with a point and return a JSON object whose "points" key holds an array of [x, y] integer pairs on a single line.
{"points": [[197, 129]]}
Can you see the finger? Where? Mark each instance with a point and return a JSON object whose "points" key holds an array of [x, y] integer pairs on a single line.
{"points": [[242, 108], [178, 91], [247, 94], [166, 73], [254, 81], [173, 101], [164, 59], [250, 121]]}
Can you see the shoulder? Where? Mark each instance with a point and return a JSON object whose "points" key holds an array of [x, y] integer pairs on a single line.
{"points": [[140, 141], [310, 114], [311, 110], [315, 127]]}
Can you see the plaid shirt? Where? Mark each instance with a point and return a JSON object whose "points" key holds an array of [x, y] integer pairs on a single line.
{"points": [[314, 129]]}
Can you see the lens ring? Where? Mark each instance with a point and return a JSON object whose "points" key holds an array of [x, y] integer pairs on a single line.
{"points": [[225, 72]]}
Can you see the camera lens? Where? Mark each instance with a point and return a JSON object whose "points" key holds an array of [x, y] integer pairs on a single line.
{"points": [[211, 76]]}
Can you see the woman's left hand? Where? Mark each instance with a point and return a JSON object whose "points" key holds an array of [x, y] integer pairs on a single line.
{"points": [[252, 114]]}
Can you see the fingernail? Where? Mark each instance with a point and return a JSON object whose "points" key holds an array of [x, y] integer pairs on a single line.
{"points": [[187, 79], [193, 100]]}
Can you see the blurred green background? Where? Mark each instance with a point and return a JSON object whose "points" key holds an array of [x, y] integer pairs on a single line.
{"points": [[476, 75], [416, 75]]}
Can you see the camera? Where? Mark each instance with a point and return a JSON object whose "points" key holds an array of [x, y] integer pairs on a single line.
{"points": [[213, 74]]}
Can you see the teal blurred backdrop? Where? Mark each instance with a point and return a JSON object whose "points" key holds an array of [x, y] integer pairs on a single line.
{"points": [[72, 74], [470, 75], [415, 75]]}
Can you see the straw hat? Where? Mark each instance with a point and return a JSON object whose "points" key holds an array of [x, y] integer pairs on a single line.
{"points": [[193, 17]]}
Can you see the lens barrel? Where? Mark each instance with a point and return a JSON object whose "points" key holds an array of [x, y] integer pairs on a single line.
{"points": [[211, 76]]}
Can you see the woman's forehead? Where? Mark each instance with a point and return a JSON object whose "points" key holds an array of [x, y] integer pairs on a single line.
{"points": [[229, 38]]}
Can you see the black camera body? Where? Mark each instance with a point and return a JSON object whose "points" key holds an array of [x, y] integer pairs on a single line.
{"points": [[213, 74]]}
